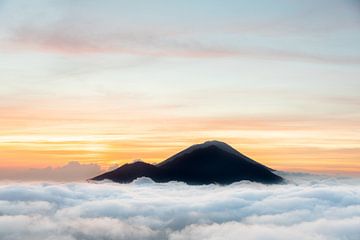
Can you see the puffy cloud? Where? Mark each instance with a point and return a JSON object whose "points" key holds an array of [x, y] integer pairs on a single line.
{"points": [[307, 207], [39, 227], [320, 229], [72, 171]]}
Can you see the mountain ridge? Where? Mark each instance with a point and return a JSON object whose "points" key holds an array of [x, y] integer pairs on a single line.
{"points": [[206, 163]]}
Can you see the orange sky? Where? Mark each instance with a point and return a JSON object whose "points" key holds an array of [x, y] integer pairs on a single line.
{"points": [[108, 130], [284, 144]]}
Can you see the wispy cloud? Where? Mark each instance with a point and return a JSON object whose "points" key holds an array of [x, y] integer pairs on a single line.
{"points": [[71, 42], [73, 33]]}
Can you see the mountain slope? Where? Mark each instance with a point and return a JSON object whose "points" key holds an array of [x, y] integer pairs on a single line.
{"points": [[131, 171], [221, 145], [210, 162]]}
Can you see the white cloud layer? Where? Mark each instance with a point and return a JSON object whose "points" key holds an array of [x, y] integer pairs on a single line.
{"points": [[307, 207]]}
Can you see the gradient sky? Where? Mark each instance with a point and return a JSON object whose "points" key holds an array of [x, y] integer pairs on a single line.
{"points": [[107, 82]]}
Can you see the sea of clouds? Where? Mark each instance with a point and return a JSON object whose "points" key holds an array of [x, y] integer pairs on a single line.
{"points": [[306, 207]]}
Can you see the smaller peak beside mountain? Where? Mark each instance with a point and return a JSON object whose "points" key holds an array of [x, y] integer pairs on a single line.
{"points": [[205, 163], [129, 171]]}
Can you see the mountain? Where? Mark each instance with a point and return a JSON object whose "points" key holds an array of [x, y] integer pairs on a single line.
{"points": [[206, 163]]}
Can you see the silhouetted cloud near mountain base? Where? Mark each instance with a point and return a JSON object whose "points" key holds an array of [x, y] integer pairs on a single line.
{"points": [[72, 171], [307, 207]]}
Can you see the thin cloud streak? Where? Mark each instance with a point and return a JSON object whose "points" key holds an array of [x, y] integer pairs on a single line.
{"points": [[69, 37], [169, 49]]}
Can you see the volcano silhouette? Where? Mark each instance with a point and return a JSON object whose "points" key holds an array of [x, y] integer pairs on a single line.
{"points": [[206, 163]]}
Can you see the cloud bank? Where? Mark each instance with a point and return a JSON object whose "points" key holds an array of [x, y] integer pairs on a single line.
{"points": [[72, 171], [307, 207]]}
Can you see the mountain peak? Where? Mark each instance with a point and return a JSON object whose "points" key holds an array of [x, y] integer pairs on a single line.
{"points": [[220, 145], [223, 146]]}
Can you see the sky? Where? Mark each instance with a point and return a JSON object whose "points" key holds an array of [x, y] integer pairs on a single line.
{"points": [[95, 84]]}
